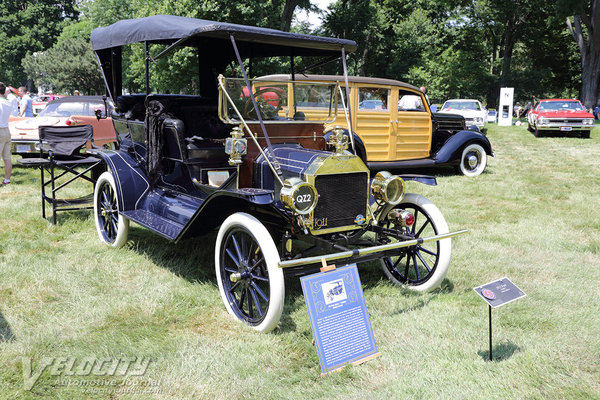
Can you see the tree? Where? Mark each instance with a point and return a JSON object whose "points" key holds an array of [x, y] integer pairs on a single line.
{"points": [[67, 66], [29, 26], [584, 25]]}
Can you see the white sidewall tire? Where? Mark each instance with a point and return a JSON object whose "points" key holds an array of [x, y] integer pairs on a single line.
{"points": [[441, 226], [123, 222], [269, 250], [482, 164]]}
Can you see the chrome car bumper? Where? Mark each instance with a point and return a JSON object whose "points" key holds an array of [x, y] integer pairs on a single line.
{"points": [[366, 251], [564, 127], [25, 146]]}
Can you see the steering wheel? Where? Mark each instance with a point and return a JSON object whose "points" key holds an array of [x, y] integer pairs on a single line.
{"points": [[266, 107]]}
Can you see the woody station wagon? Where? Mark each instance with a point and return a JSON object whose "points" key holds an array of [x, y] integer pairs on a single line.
{"points": [[230, 158], [394, 127]]}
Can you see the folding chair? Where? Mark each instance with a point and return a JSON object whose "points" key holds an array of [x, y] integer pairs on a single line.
{"points": [[60, 156]]}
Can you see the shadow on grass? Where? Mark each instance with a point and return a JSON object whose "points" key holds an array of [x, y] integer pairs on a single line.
{"points": [[191, 259], [6, 334], [500, 352]]}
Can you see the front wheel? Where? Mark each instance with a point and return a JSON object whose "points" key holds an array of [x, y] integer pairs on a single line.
{"points": [[421, 267], [111, 226], [246, 264], [473, 160]]}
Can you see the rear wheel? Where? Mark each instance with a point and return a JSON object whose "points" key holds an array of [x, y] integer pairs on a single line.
{"points": [[246, 264], [111, 226], [421, 267]]}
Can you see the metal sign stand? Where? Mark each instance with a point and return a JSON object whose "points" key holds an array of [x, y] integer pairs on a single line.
{"points": [[490, 308], [496, 294]]}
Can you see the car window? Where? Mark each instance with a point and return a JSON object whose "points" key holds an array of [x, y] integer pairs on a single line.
{"points": [[71, 108], [409, 101], [375, 99]]}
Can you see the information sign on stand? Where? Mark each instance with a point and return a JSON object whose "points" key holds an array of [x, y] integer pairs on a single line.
{"points": [[338, 317], [496, 294]]}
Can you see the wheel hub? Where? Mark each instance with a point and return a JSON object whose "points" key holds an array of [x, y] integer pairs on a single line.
{"points": [[472, 160]]}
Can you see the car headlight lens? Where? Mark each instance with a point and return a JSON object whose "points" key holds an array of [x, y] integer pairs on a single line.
{"points": [[588, 121], [388, 188], [542, 121], [299, 196]]}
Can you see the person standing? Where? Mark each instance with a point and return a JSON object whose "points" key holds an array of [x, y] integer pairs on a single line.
{"points": [[14, 102], [5, 109], [26, 104]]}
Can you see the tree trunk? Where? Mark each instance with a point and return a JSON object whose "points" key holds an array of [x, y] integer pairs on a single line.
{"points": [[589, 48], [288, 14], [509, 44]]}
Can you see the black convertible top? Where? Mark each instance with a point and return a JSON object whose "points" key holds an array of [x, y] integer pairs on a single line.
{"points": [[168, 29]]}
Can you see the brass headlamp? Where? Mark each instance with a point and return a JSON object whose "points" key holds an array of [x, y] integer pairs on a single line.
{"points": [[299, 196], [388, 188], [236, 146]]}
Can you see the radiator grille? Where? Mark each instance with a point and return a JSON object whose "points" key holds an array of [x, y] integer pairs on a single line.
{"points": [[454, 125], [342, 197]]}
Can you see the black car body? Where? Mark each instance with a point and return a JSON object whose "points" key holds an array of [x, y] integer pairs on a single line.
{"points": [[281, 201]]}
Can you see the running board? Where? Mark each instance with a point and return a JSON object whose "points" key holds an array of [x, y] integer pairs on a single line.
{"points": [[164, 227]]}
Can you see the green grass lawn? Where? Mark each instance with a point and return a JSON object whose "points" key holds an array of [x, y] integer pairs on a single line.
{"points": [[533, 216]]}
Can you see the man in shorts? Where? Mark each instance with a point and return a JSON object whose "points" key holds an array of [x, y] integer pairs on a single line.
{"points": [[5, 109]]}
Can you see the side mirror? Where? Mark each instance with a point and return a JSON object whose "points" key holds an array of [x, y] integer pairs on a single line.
{"points": [[99, 114]]}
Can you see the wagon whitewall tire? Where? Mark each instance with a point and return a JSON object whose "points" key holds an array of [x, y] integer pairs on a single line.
{"points": [[112, 227], [250, 281], [395, 268], [473, 160]]}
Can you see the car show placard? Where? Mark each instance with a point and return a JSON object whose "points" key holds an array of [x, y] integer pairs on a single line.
{"points": [[339, 319], [499, 292]]}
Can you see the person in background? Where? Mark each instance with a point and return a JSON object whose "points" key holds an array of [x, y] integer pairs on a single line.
{"points": [[518, 109], [14, 102], [597, 112], [424, 90], [26, 104], [76, 93], [5, 109]]}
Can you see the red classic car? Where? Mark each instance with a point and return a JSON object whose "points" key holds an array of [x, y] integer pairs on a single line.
{"points": [[563, 115]]}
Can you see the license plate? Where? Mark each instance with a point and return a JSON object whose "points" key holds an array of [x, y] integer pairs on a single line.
{"points": [[23, 148], [566, 128]]}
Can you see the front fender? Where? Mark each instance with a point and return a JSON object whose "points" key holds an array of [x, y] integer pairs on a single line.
{"points": [[452, 149], [221, 204], [131, 181]]}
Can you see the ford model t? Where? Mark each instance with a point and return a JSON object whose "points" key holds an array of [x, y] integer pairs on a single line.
{"points": [[239, 158]]}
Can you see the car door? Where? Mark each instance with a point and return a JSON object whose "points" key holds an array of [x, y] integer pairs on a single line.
{"points": [[104, 131], [372, 121], [412, 126]]}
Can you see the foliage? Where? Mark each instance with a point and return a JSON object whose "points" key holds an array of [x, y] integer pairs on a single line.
{"points": [[456, 48], [29, 26], [67, 66]]}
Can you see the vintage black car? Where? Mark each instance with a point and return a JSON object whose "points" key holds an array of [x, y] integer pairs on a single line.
{"points": [[236, 157]]}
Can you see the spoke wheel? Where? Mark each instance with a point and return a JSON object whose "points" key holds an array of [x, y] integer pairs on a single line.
{"points": [[250, 280], [473, 160], [111, 226], [424, 266]]}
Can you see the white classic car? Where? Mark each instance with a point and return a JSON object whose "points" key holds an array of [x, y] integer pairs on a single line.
{"points": [[472, 110]]}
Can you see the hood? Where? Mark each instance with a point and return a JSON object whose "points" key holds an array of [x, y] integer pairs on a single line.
{"points": [[565, 114], [465, 113]]}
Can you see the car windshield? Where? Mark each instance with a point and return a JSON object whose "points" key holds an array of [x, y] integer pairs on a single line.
{"points": [[67, 109], [461, 105], [561, 106], [279, 100]]}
